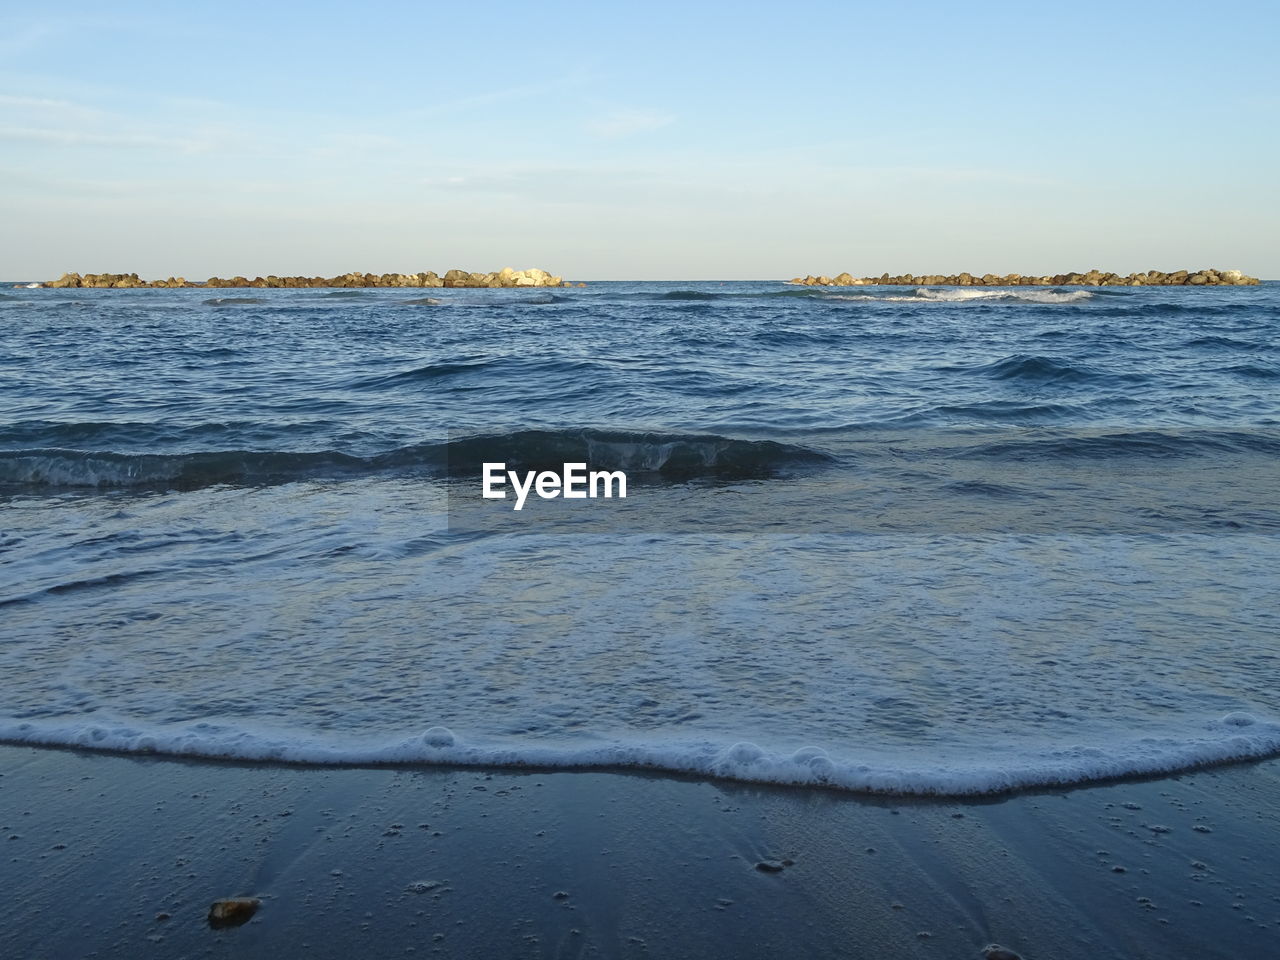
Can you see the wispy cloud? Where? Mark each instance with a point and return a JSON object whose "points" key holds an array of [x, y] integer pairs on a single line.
{"points": [[57, 122], [629, 123], [21, 39], [38, 103], [610, 187], [551, 90], [81, 138]]}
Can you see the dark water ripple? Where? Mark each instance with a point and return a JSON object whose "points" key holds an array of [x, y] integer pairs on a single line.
{"points": [[365, 373]]}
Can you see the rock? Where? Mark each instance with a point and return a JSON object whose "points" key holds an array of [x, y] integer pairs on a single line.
{"points": [[233, 911], [424, 886], [997, 952], [535, 277], [770, 866], [1095, 277]]}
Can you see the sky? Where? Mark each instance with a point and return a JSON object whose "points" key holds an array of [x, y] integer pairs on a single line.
{"points": [[638, 141]]}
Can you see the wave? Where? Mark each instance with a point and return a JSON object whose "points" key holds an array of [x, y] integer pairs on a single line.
{"points": [[1140, 308], [1225, 343], [181, 471], [441, 369], [233, 301], [1155, 444], [422, 302], [1040, 369], [675, 456], [1233, 738], [965, 295], [881, 295], [665, 456], [1255, 371], [688, 295], [995, 411], [989, 489], [428, 371]]}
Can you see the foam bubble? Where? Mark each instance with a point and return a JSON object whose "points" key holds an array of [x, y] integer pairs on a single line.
{"points": [[439, 738]]}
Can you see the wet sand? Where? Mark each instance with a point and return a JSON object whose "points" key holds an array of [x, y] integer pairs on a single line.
{"points": [[115, 856]]}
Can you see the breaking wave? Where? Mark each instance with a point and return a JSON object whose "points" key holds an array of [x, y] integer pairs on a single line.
{"points": [[968, 295], [887, 294], [667, 456]]}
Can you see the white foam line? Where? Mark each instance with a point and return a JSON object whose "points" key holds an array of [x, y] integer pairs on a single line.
{"points": [[1236, 737], [925, 295]]}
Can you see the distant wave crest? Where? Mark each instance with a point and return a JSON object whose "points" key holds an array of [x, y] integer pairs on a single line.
{"points": [[966, 295]]}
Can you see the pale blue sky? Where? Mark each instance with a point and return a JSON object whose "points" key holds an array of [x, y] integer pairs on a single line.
{"points": [[647, 141]]}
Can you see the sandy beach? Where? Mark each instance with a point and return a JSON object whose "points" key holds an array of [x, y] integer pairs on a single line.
{"points": [[117, 856]]}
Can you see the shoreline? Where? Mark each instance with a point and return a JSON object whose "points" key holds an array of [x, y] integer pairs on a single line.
{"points": [[115, 855], [741, 778]]}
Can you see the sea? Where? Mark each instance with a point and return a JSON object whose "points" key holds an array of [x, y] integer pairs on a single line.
{"points": [[934, 541]]}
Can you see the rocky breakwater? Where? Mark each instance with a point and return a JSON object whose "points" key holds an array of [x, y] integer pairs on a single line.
{"points": [[1092, 278], [506, 277]]}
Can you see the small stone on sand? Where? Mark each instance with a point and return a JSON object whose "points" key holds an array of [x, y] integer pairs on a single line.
{"points": [[232, 911]]}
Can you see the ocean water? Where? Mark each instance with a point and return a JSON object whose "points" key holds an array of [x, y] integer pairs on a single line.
{"points": [[930, 541]]}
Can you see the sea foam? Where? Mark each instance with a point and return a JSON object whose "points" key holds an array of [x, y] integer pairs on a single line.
{"points": [[966, 295], [1238, 736]]}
